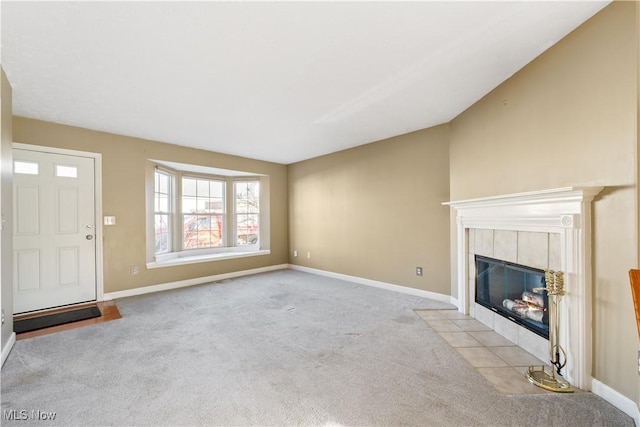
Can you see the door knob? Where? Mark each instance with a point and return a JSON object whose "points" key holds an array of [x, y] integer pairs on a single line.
{"points": [[89, 237]]}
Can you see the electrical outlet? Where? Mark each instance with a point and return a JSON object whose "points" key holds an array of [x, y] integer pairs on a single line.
{"points": [[134, 271], [295, 252], [418, 271], [308, 255]]}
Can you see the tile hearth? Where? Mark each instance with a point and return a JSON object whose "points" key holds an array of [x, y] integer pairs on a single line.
{"points": [[501, 362]]}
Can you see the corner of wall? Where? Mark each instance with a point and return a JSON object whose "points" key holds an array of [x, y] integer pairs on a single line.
{"points": [[637, 43], [637, 162], [6, 348], [7, 337], [617, 399]]}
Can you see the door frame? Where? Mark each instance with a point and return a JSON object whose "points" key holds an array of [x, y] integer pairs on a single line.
{"points": [[97, 157]]}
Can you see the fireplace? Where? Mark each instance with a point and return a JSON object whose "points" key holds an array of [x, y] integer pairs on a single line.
{"points": [[514, 292], [549, 229]]}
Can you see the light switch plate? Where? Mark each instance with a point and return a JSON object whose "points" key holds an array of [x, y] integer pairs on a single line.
{"points": [[109, 220]]}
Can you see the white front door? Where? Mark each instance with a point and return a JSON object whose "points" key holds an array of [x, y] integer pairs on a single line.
{"points": [[54, 230]]}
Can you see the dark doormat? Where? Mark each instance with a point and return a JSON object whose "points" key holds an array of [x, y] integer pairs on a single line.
{"points": [[35, 323]]}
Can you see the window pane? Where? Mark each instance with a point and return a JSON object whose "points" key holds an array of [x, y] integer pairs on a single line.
{"points": [[241, 190], [27, 168], [247, 229], [66, 171], [190, 223], [163, 181], [188, 187], [202, 231], [216, 230], [253, 197], [247, 212], [215, 206], [190, 227], [217, 192], [201, 204], [162, 233], [162, 206], [163, 203], [188, 205], [203, 188], [241, 206], [205, 198], [163, 184], [217, 189], [247, 197]]}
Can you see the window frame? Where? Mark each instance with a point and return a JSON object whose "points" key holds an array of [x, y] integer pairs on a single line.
{"points": [[179, 223], [229, 249], [234, 236], [171, 204]]}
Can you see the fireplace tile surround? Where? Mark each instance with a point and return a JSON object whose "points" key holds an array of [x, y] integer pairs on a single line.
{"points": [[533, 249], [546, 229]]}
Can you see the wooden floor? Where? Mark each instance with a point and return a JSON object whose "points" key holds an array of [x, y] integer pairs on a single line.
{"points": [[107, 308]]}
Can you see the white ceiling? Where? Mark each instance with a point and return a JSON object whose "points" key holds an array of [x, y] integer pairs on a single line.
{"points": [[282, 81]]}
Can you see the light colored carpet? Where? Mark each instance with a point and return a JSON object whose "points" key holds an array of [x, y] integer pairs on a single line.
{"points": [[281, 348]]}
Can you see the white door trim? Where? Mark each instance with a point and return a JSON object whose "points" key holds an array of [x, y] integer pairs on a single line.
{"points": [[98, 202]]}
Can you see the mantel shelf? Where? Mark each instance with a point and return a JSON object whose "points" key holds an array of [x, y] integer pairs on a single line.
{"points": [[554, 195]]}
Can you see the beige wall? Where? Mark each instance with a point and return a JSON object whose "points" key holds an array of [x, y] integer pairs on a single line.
{"points": [[569, 118], [637, 210], [123, 195], [6, 203], [374, 211]]}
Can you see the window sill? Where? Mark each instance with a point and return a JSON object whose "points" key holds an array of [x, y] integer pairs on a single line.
{"points": [[193, 259]]}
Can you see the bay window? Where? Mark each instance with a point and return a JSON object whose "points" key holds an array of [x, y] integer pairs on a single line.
{"points": [[198, 217]]}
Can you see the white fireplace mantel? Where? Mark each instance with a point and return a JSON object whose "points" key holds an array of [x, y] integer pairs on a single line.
{"points": [[566, 211]]}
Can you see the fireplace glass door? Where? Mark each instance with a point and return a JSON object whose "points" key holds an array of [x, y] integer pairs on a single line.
{"points": [[512, 290]]}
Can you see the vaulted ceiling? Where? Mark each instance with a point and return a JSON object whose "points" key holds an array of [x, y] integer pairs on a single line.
{"points": [[277, 81]]}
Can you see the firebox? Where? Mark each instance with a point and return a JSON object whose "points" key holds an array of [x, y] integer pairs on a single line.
{"points": [[513, 291]]}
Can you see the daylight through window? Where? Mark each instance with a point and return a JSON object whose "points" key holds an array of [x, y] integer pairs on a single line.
{"points": [[195, 214], [202, 213], [247, 212], [162, 211]]}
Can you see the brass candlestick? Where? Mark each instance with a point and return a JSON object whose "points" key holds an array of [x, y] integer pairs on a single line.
{"points": [[557, 356]]}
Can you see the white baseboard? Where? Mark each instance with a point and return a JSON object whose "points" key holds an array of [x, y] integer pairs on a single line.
{"points": [[376, 284], [189, 282], [200, 280], [7, 348], [621, 402]]}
